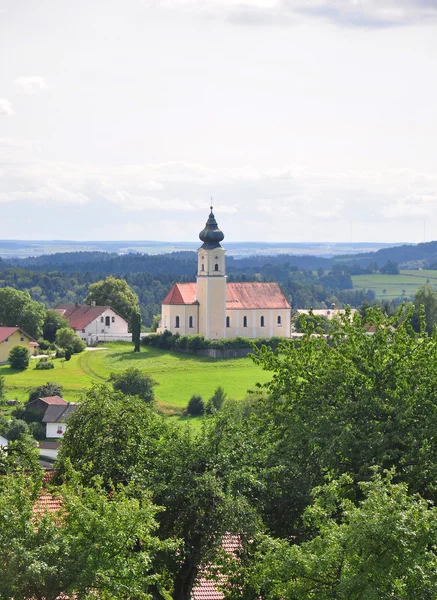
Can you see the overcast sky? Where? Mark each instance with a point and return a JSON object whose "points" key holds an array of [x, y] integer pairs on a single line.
{"points": [[305, 120]]}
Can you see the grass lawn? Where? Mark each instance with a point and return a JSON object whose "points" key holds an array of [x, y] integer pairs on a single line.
{"points": [[396, 286], [178, 375]]}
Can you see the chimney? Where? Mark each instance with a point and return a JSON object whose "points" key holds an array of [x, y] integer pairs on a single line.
{"points": [[93, 303]]}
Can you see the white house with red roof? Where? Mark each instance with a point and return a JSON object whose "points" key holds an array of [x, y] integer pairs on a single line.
{"points": [[14, 336], [217, 309], [95, 323]]}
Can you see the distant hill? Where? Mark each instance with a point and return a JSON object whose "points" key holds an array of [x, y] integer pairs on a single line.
{"points": [[409, 256]]}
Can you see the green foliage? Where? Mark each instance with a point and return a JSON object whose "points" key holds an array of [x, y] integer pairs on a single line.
{"points": [[383, 547], [318, 323], [216, 401], [19, 357], [66, 338], [169, 341], [95, 545], [44, 364], [196, 406], [115, 293], [18, 309], [52, 322], [425, 297], [14, 429], [136, 329], [60, 353], [155, 322], [67, 354], [111, 435], [2, 388], [390, 268], [133, 382]]}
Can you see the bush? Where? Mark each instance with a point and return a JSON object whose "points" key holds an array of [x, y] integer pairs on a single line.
{"points": [[67, 354], [44, 344], [60, 353], [44, 364], [216, 401], [133, 382], [169, 341], [19, 357], [67, 338], [196, 406], [51, 388]]}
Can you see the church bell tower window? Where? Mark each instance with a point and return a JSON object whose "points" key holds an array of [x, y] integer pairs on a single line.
{"points": [[216, 267]]}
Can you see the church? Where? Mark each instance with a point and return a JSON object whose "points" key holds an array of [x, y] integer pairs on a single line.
{"points": [[217, 309]]}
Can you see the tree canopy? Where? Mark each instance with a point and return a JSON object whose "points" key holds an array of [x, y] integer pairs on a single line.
{"points": [[17, 309], [115, 293], [134, 382]]}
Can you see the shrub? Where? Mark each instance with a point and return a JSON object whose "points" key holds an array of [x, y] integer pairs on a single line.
{"points": [[44, 344], [67, 354], [67, 338], [216, 400], [44, 364], [60, 353], [19, 357], [133, 382], [196, 406], [51, 388]]}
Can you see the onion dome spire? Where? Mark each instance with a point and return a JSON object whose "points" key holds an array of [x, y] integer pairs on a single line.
{"points": [[211, 235]]}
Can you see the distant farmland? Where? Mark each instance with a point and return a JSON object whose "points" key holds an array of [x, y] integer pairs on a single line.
{"points": [[396, 286]]}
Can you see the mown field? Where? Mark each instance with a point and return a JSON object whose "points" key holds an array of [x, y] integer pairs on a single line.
{"points": [[395, 286], [178, 375]]}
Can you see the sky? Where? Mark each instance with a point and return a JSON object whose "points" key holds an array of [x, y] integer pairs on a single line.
{"points": [[304, 120]]}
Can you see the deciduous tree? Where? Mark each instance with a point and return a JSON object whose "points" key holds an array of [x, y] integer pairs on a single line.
{"points": [[115, 293], [18, 309]]}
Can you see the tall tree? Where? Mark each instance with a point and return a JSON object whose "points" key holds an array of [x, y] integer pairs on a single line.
{"points": [[52, 322], [115, 293], [425, 296], [17, 309], [136, 329]]}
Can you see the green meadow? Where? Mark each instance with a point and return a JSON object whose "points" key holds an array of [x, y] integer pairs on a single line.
{"points": [[395, 286], [178, 375]]}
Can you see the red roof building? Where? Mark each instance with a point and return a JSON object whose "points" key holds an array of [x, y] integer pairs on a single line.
{"points": [[217, 309], [95, 323]]}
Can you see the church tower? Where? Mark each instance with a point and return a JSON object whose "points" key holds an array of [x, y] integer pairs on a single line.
{"points": [[211, 281]]}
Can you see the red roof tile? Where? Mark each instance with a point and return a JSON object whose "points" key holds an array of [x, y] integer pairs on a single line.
{"points": [[81, 316], [206, 589], [181, 293], [244, 296], [255, 295], [5, 332], [54, 400]]}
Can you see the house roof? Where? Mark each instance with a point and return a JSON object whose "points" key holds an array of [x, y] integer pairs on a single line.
{"points": [[49, 400], [206, 589], [5, 332], [245, 295], [81, 316], [58, 414], [181, 293]]}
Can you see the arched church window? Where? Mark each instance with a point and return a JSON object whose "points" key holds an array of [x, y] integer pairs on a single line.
{"points": [[279, 320], [177, 323], [244, 321], [228, 321], [165, 321], [203, 267], [216, 268], [262, 321], [191, 322]]}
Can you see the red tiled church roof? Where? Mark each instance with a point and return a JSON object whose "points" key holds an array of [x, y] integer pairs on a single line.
{"points": [[255, 295], [181, 293], [81, 316], [244, 296]]}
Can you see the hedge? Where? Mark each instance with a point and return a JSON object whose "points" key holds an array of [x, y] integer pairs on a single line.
{"points": [[175, 341]]}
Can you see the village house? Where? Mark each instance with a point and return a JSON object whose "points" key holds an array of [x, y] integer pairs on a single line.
{"points": [[217, 309], [14, 336], [95, 324], [56, 417]]}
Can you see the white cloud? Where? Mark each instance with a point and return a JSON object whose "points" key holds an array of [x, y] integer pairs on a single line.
{"points": [[5, 107], [353, 13], [290, 203], [31, 84]]}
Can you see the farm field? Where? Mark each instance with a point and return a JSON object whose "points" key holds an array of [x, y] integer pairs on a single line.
{"points": [[403, 285], [178, 375]]}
